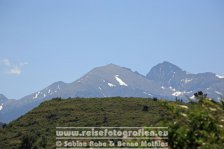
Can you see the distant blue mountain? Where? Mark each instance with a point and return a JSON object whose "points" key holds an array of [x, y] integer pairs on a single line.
{"points": [[164, 80]]}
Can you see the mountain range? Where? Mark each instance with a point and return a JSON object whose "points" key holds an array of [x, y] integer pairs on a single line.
{"points": [[164, 80]]}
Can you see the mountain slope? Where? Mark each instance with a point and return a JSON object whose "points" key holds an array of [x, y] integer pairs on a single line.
{"points": [[4, 101], [3, 98], [15, 108]]}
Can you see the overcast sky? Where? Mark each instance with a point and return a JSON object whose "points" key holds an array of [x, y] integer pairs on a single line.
{"points": [[44, 41]]}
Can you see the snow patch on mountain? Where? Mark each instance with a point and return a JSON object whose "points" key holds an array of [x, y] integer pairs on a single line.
{"points": [[172, 77], [177, 93], [111, 85], [220, 77], [217, 92], [1, 106], [186, 80], [120, 81], [36, 95], [187, 92], [173, 89], [147, 94], [101, 91], [192, 97]]}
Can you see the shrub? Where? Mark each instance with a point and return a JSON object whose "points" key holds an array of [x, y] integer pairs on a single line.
{"points": [[145, 108], [28, 141], [154, 99]]}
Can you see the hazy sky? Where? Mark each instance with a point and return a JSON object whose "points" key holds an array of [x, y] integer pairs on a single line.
{"points": [[44, 41]]}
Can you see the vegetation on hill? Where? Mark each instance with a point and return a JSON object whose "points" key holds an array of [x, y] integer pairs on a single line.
{"points": [[195, 124], [2, 124]]}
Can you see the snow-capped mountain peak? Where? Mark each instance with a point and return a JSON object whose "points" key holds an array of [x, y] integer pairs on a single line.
{"points": [[170, 76]]}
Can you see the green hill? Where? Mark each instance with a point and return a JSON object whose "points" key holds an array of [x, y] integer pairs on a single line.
{"points": [[199, 125]]}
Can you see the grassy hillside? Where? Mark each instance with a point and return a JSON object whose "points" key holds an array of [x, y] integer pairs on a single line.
{"points": [[194, 124]]}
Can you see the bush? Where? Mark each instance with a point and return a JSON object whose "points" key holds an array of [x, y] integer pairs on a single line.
{"points": [[28, 142], [154, 99], [145, 108]]}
